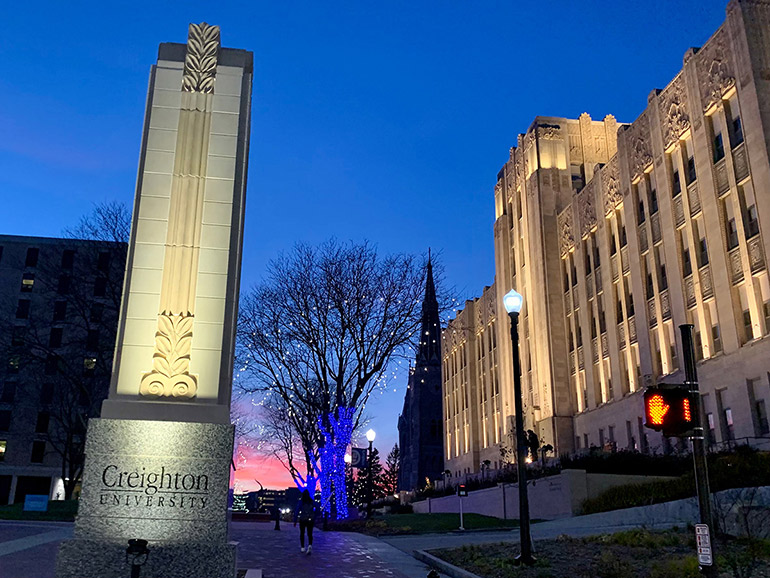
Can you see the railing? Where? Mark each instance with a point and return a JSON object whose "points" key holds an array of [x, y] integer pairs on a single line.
{"points": [[689, 292], [581, 359], [655, 222], [571, 363], [622, 335], [723, 183], [678, 211], [632, 329], [705, 282], [651, 312], [693, 198], [595, 349], [665, 305], [741, 162], [624, 259], [605, 345], [643, 246], [756, 255], [736, 267]]}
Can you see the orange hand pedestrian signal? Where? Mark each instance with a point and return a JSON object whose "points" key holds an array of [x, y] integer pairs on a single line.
{"points": [[657, 409], [669, 409]]}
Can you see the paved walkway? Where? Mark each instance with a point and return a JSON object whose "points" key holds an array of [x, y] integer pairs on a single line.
{"points": [[335, 554], [28, 550]]}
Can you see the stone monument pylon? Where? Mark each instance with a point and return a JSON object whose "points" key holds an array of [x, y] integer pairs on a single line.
{"points": [[158, 460]]}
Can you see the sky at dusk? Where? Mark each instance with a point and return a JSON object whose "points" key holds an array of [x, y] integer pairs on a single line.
{"points": [[384, 121]]}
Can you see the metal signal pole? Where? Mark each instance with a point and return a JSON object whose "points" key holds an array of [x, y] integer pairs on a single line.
{"points": [[698, 444]]}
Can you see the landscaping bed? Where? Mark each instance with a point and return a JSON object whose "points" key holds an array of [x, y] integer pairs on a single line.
{"points": [[58, 511], [636, 553], [396, 524]]}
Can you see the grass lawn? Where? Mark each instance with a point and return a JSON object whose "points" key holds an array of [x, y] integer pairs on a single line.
{"points": [[421, 524], [635, 553], [58, 511]]}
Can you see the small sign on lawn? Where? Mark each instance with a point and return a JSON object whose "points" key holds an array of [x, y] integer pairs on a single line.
{"points": [[36, 503], [703, 543]]}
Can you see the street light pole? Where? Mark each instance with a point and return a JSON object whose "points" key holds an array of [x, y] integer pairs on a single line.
{"points": [[698, 443], [370, 435], [513, 302]]}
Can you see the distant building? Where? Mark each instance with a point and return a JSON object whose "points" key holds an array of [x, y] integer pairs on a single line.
{"points": [[616, 235], [58, 317], [419, 425], [265, 500]]}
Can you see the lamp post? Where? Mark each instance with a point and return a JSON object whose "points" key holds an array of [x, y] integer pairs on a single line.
{"points": [[513, 302], [370, 435]]}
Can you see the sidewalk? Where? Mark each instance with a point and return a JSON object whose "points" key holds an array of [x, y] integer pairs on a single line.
{"points": [[28, 550], [335, 554]]}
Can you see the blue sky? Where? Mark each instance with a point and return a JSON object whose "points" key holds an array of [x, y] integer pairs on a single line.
{"points": [[386, 121]]}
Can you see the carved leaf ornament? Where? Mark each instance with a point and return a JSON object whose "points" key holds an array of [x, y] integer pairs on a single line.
{"points": [[200, 64], [171, 360]]}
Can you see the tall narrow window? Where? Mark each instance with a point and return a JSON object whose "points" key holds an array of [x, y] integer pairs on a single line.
{"points": [[22, 309], [67, 259], [27, 282], [752, 221], [719, 148], [32, 256], [734, 121], [676, 185], [59, 310], [732, 234]]}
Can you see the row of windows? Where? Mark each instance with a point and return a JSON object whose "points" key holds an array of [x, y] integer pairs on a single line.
{"points": [[8, 394], [64, 284], [53, 365], [55, 338], [59, 310], [32, 259], [41, 426], [36, 456]]}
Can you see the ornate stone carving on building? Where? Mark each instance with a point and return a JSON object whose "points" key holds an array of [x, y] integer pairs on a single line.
{"points": [[715, 69], [611, 186], [575, 145], [200, 65], [638, 137], [586, 210], [674, 110], [549, 132], [566, 234]]}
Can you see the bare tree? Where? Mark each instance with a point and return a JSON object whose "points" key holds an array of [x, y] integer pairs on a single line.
{"points": [[319, 334], [66, 358]]}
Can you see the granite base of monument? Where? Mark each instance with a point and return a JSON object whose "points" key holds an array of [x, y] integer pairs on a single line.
{"points": [[164, 482]]}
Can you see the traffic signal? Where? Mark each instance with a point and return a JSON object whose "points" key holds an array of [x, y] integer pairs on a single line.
{"points": [[670, 409]]}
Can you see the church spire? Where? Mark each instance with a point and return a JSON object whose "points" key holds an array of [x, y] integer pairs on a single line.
{"points": [[430, 330]]}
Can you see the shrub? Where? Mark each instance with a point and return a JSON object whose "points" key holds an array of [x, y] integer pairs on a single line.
{"points": [[745, 467], [629, 463], [686, 567]]}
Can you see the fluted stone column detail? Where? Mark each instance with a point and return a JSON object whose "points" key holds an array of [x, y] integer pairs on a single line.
{"points": [[169, 376]]}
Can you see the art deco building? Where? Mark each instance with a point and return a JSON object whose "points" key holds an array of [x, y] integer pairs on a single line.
{"points": [[617, 234]]}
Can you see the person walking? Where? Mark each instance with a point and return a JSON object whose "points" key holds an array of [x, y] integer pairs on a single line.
{"points": [[305, 513]]}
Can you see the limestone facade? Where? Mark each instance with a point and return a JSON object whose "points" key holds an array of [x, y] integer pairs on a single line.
{"points": [[617, 234]]}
